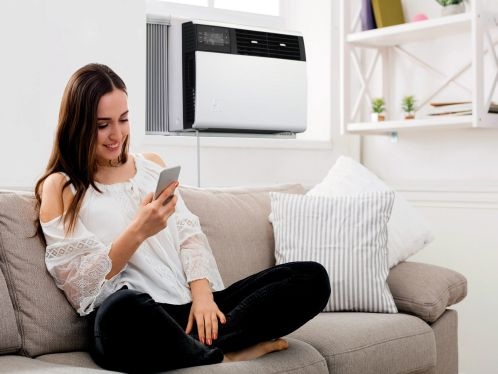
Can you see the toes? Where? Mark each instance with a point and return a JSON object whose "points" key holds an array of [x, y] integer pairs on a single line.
{"points": [[282, 344]]}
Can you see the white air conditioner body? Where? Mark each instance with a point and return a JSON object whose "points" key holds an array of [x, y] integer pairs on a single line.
{"points": [[235, 79]]}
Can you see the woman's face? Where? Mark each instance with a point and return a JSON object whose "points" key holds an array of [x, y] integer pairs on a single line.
{"points": [[112, 126]]}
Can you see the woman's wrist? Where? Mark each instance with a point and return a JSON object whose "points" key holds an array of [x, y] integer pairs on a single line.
{"points": [[134, 234], [200, 288]]}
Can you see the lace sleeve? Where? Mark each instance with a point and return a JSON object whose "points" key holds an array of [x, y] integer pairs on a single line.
{"points": [[79, 264], [195, 252]]}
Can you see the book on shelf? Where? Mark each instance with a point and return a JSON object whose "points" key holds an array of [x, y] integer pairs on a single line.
{"points": [[367, 16], [451, 108], [387, 12], [457, 108]]}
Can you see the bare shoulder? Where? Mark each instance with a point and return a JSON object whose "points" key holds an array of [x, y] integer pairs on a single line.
{"points": [[154, 157], [52, 205]]}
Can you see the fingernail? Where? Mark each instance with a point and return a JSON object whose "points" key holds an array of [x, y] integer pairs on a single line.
{"points": [[209, 341]]}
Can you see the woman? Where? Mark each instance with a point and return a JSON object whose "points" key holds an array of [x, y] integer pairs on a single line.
{"points": [[142, 268]]}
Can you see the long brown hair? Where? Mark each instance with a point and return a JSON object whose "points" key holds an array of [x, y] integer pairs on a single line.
{"points": [[73, 152]]}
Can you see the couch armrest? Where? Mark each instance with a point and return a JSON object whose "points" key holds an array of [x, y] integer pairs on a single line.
{"points": [[425, 290]]}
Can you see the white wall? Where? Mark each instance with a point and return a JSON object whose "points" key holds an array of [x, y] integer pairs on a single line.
{"points": [[464, 224], [452, 176], [42, 44]]}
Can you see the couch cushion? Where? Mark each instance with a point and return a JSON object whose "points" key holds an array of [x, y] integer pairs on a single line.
{"points": [[24, 365], [47, 322], [235, 221], [10, 340], [371, 343], [300, 357], [425, 290], [79, 359]]}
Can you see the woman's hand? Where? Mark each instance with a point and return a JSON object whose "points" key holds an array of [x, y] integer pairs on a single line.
{"points": [[153, 215], [151, 218], [204, 312]]}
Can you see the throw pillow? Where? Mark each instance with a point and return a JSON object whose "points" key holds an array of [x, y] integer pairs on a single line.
{"points": [[47, 322], [348, 236], [407, 231]]}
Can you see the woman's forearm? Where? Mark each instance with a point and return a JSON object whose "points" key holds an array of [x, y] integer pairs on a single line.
{"points": [[123, 247]]}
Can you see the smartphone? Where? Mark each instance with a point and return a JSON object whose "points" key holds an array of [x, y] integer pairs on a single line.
{"points": [[166, 176]]}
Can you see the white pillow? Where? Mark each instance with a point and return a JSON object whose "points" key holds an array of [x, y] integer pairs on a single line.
{"points": [[407, 230], [347, 235]]}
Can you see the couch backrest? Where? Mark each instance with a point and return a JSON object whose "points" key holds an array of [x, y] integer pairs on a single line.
{"points": [[235, 221], [47, 322], [10, 339]]}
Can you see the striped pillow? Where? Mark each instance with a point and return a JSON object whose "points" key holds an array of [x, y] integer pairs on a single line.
{"points": [[347, 235]]}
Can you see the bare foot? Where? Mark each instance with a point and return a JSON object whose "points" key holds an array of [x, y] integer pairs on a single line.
{"points": [[257, 350]]}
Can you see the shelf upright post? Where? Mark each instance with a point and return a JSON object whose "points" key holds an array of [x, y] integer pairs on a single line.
{"points": [[345, 65], [477, 42], [385, 53]]}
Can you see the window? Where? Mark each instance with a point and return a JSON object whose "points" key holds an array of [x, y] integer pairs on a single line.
{"points": [[267, 7], [191, 2]]}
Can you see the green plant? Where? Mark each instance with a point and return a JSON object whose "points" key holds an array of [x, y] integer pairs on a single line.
{"points": [[408, 104], [378, 105], [449, 2]]}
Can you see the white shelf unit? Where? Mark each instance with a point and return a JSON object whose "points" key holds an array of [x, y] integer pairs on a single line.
{"points": [[478, 23]]}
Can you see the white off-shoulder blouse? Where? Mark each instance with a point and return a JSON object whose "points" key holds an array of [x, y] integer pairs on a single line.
{"points": [[162, 266]]}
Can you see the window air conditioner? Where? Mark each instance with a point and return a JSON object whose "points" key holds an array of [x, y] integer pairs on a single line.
{"points": [[235, 79]]}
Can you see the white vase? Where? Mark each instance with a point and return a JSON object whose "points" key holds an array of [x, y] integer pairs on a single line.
{"points": [[453, 9]]}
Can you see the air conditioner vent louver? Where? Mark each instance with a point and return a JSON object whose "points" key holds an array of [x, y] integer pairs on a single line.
{"points": [[265, 44], [156, 121]]}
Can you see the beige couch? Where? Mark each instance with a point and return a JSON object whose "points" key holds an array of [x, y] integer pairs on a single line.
{"points": [[40, 332]]}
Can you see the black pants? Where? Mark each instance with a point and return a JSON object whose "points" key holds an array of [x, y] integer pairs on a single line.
{"points": [[133, 333]]}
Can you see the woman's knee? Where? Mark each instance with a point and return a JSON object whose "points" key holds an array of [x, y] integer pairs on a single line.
{"points": [[313, 276], [312, 270], [122, 304]]}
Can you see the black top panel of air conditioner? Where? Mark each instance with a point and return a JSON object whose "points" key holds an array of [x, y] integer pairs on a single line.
{"points": [[198, 37]]}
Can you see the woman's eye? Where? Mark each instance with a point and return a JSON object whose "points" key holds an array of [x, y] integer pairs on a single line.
{"points": [[101, 126], [123, 120]]}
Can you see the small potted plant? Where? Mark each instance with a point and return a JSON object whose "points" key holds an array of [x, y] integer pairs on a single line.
{"points": [[408, 106], [378, 109], [451, 7]]}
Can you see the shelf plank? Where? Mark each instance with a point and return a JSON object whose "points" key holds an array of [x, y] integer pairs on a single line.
{"points": [[412, 31], [386, 127]]}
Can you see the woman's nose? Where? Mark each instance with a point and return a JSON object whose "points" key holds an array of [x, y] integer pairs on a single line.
{"points": [[114, 134]]}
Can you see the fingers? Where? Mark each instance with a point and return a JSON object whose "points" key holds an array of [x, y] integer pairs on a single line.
{"points": [[200, 328], [147, 199], [221, 317], [214, 327], [207, 328], [190, 323], [206, 322], [168, 191]]}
